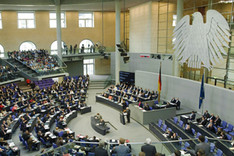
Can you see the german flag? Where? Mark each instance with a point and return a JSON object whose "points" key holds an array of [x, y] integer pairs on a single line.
{"points": [[159, 80]]}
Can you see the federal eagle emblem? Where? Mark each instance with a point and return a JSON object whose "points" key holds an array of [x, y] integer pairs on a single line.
{"points": [[201, 44]]}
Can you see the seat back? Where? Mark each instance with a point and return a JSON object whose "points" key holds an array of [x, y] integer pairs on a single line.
{"points": [[43, 141], [160, 123], [219, 152], [224, 124], [230, 127], [193, 131], [212, 147], [198, 134], [91, 154], [54, 145], [61, 134], [20, 138], [164, 128], [181, 123], [229, 137], [175, 120]]}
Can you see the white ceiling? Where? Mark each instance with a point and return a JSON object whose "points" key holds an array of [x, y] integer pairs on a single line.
{"points": [[77, 5]]}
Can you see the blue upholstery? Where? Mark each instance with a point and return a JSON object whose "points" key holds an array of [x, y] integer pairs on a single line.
{"points": [[229, 128], [164, 128], [175, 120], [193, 131], [219, 153], [160, 123], [212, 147], [186, 145], [181, 123]]}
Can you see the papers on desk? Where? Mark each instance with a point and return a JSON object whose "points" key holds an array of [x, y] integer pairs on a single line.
{"points": [[47, 133], [165, 135], [143, 110], [184, 153], [11, 144], [200, 125], [8, 131], [184, 116], [231, 148]]}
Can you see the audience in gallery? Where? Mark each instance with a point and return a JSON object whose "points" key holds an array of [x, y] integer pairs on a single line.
{"points": [[38, 60], [7, 72]]}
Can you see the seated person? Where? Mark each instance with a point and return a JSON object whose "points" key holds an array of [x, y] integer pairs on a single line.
{"points": [[219, 131], [223, 135], [203, 121], [174, 137], [188, 129], [173, 100], [210, 126], [192, 116], [140, 104], [102, 122], [146, 107], [217, 121], [98, 116]]}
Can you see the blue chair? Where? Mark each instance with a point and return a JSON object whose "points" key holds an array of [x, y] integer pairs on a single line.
{"points": [[164, 128], [223, 125], [231, 133], [13, 117], [160, 123], [61, 134], [193, 131], [206, 140], [212, 147], [229, 137], [91, 154], [54, 145], [150, 108], [181, 123], [186, 145], [175, 120], [180, 141], [169, 129], [198, 134], [229, 128], [219, 152], [215, 128]]}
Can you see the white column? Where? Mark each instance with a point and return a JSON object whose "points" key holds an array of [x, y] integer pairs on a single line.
{"points": [[179, 13], [58, 28], [117, 40]]}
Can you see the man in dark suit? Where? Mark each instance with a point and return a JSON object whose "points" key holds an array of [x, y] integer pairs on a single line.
{"points": [[192, 116], [217, 121], [177, 102], [148, 149], [100, 151]]}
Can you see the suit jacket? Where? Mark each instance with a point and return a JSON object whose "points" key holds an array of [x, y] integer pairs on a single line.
{"points": [[149, 150], [122, 150], [204, 146], [217, 122], [100, 152], [192, 116]]}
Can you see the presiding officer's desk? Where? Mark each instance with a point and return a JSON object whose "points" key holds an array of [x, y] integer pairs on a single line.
{"points": [[146, 117], [102, 129]]}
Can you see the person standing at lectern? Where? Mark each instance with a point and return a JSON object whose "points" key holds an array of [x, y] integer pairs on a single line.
{"points": [[128, 111]]}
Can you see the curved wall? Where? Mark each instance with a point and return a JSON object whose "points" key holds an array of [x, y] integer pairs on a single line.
{"points": [[217, 100]]}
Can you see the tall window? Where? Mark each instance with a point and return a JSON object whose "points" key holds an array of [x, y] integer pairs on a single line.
{"points": [[53, 20], [174, 20], [27, 46], [26, 20], [54, 48], [0, 20], [88, 66], [86, 20], [1, 51], [86, 45]]}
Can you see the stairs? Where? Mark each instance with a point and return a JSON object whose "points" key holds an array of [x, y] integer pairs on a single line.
{"points": [[97, 84]]}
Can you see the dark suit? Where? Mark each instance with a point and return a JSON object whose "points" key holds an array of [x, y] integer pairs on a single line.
{"points": [[192, 116], [99, 151], [217, 122], [177, 104], [149, 150]]}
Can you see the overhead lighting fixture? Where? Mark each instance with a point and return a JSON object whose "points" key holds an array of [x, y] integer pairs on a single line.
{"points": [[226, 1]]}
